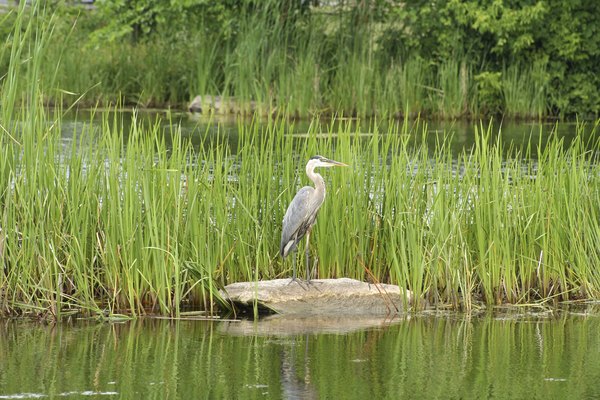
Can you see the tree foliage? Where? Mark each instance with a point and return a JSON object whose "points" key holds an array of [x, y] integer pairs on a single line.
{"points": [[555, 43], [561, 35]]}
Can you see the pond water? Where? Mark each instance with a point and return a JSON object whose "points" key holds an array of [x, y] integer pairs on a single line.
{"points": [[552, 355], [461, 134], [543, 355]]}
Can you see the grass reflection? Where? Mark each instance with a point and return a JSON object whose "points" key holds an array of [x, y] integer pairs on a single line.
{"points": [[448, 356]]}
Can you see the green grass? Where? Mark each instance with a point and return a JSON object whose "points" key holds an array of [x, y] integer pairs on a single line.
{"points": [[120, 222], [524, 91], [318, 69]]}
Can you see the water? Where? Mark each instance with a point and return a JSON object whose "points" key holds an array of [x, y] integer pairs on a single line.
{"points": [[461, 134], [449, 356]]}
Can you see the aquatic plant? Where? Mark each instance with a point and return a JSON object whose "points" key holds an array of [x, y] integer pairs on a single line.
{"points": [[322, 63], [132, 218], [135, 219]]}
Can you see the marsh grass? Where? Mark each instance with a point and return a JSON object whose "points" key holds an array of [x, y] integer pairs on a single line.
{"points": [[120, 222], [524, 91], [123, 223], [453, 81], [307, 70]]}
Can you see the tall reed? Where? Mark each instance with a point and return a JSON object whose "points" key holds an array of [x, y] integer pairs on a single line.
{"points": [[524, 91], [326, 65], [121, 222], [130, 218]]}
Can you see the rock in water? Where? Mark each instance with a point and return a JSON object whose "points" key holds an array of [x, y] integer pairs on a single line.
{"points": [[321, 297]]}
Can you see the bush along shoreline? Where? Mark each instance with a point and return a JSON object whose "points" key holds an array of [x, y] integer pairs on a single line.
{"points": [[436, 59]]}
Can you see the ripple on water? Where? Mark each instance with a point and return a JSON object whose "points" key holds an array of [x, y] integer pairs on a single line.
{"points": [[64, 394]]}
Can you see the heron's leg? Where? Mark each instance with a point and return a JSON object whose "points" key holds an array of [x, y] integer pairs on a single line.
{"points": [[294, 276], [307, 254]]}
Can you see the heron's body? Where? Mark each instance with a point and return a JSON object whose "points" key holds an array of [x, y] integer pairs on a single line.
{"points": [[302, 212], [306, 204]]}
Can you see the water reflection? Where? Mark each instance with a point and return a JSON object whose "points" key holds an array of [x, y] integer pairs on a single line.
{"points": [[203, 131], [295, 325], [448, 356], [297, 384]]}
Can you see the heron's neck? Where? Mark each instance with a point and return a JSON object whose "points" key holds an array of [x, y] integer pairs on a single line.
{"points": [[317, 179]]}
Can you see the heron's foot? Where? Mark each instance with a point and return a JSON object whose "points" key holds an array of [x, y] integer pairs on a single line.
{"points": [[313, 284], [298, 281]]}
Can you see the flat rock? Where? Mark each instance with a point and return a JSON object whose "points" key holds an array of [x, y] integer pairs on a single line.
{"points": [[341, 296]]}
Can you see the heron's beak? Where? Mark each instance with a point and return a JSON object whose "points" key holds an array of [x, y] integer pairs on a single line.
{"points": [[336, 163]]}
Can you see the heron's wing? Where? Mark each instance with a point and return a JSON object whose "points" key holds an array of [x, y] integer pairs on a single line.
{"points": [[298, 218]]}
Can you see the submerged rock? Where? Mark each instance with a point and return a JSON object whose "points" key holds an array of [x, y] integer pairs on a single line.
{"points": [[217, 105], [321, 297]]}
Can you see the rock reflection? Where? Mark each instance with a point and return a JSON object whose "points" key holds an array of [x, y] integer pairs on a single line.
{"points": [[293, 325]]}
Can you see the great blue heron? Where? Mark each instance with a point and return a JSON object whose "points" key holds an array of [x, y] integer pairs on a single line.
{"points": [[302, 211]]}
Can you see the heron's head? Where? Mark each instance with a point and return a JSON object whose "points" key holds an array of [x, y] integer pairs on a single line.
{"points": [[320, 161]]}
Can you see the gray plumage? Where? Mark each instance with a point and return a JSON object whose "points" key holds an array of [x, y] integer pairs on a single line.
{"points": [[300, 217], [302, 212]]}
